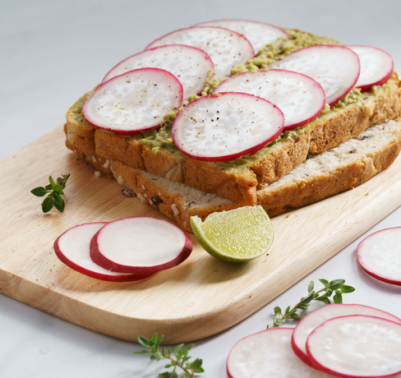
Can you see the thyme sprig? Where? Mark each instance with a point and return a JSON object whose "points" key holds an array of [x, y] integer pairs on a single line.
{"points": [[336, 286], [54, 191], [178, 357]]}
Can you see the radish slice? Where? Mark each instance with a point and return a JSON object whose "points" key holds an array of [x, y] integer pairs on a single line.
{"points": [[379, 255], [377, 66], [72, 248], [258, 33], [319, 316], [139, 245], [335, 68], [226, 47], [268, 354], [133, 102], [300, 98], [356, 346], [188, 64], [226, 126]]}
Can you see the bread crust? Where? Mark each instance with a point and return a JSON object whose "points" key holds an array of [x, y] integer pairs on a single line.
{"points": [[178, 202], [343, 125], [176, 205], [239, 185], [279, 199]]}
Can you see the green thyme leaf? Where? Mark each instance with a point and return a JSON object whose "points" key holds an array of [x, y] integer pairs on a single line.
{"points": [[144, 341], [57, 189], [143, 351], [324, 282], [323, 299], [311, 286], [347, 289], [47, 204], [39, 191], [60, 206], [336, 284], [338, 298]]}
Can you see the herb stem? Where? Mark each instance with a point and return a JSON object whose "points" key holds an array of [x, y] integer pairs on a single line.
{"points": [[335, 286]]}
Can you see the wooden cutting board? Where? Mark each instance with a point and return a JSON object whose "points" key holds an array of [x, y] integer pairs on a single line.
{"points": [[199, 298]]}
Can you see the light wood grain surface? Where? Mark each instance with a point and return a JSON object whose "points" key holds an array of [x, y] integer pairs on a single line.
{"points": [[199, 298]]}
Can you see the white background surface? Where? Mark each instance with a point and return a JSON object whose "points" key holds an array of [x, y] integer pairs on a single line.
{"points": [[51, 52]]}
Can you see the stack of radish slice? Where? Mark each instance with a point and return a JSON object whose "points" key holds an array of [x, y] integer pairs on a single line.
{"points": [[258, 33], [340, 340], [226, 47], [127, 249], [139, 91], [300, 98]]}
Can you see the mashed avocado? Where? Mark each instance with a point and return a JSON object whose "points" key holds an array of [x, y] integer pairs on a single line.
{"points": [[162, 138], [75, 112]]}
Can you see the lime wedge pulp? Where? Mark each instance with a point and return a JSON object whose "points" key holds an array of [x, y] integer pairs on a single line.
{"points": [[237, 235]]}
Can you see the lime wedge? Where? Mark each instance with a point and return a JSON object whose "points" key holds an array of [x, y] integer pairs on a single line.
{"points": [[238, 235]]}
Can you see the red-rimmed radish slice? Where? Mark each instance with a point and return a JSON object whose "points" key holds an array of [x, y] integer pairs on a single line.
{"points": [[268, 354], [377, 66], [188, 64], [226, 126], [300, 98], [319, 316], [335, 68], [133, 102], [226, 47], [258, 33], [139, 245], [379, 255], [356, 346], [72, 248]]}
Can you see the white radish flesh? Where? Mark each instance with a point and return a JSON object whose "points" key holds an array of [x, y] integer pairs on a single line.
{"points": [[72, 248], [258, 33], [268, 354], [319, 316], [140, 245], [379, 255], [356, 346], [335, 68], [377, 66], [188, 64], [226, 47], [300, 98], [225, 126], [133, 102]]}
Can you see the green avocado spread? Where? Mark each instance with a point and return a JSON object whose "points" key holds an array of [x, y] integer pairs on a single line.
{"points": [[162, 138], [75, 112]]}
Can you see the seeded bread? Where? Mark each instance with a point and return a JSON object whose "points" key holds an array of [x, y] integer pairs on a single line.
{"points": [[344, 167], [239, 181]]}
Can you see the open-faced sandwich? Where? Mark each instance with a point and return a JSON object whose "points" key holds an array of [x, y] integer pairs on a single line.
{"points": [[236, 113]]}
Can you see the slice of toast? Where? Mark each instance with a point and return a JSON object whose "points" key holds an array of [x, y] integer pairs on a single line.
{"points": [[239, 180], [341, 168]]}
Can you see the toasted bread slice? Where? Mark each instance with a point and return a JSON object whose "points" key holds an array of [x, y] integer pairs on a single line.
{"points": [[344, 167], [239, 180]]}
